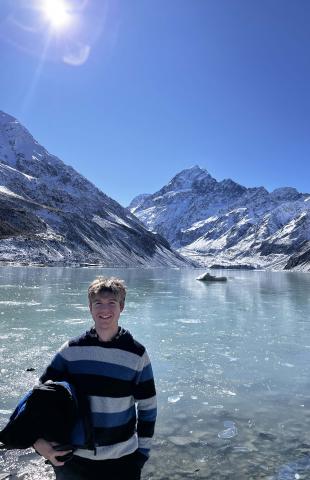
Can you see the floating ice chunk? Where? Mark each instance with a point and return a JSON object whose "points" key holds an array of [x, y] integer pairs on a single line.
{"points": [[230, 430], [74, 321], [228, 392], [241, 449], [15, 303], [45, 310], [174, 399], [182, 441], [188, 320]]}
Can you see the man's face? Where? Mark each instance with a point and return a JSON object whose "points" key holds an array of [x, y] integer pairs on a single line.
{"points": [[105, 310]]}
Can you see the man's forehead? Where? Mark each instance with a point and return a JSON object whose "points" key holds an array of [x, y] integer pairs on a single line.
{"points": [[104, 296]]}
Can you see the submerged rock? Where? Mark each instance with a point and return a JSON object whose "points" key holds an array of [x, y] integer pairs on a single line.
{"points": [[267, 436]]}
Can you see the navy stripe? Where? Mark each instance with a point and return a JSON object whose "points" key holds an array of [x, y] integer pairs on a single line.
{"points": [[114, 419], [54, 375], [101, 386], [109, 436], [145, 390], [106, 369], [148, 415], [145, 429]]}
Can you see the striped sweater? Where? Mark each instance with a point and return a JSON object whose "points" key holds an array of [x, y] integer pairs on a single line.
{"points": [[117, 379]]}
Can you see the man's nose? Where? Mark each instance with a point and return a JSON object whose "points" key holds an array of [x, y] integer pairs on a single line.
{"points": [[104, 306]]}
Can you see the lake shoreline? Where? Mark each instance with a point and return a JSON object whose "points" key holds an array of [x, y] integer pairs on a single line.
{"points": [[228, 268]]}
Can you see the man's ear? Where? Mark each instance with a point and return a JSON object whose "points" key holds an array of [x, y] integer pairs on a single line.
{"points": [[122, 306]]}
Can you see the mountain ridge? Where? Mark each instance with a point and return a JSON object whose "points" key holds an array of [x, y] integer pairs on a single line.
{"points": [[226, 223], [50, 214]]}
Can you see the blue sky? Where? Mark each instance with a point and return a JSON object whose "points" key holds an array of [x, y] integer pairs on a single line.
{"points": [[130, 92]]}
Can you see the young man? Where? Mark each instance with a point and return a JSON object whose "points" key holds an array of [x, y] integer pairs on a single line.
{"points": [[110, 369]]}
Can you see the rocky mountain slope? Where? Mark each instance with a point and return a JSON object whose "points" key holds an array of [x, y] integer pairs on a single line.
{"points": [[51, 214], [226, 224]]}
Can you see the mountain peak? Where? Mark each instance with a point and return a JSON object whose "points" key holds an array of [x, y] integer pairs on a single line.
{"points": [[187, 178]]}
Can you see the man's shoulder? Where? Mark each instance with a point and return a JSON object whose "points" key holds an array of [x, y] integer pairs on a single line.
{"points": [[81, 340], [130, 344]]}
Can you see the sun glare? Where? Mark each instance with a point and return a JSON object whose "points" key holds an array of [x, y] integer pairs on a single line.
{"points": [[56, 12]]}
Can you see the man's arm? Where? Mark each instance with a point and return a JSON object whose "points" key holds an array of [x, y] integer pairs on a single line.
{"points": [[145, 397], [57, 370]]}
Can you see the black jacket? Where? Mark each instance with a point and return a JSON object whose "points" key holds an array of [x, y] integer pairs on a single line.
{"points": [[49, 411]]}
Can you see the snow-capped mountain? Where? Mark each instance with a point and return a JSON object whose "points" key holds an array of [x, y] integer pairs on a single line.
{"points": [[52, 214], [226, 224]]}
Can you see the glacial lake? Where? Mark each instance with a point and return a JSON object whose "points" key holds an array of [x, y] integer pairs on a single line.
{"points": [[231, 361]]}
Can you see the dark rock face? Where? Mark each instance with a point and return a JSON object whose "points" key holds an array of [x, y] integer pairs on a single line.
{"points": [[224, 223], [51, 214], [300, 258]]}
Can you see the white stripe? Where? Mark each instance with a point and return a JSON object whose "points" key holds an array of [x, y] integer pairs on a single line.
{"points": [[145, 442], [110, 451], [110, 404], [147, 403], [101, 354]]}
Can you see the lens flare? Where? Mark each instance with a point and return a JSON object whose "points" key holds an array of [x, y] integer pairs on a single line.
{"points": [[56, 13]]}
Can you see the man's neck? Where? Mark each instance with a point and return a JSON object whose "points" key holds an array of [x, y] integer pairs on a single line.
{"points": [[107, 335]]}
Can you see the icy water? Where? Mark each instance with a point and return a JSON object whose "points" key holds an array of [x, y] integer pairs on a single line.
{"points": [[231, 360]]}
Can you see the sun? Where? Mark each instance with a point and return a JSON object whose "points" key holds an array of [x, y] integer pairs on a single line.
{"points": [[56, 12]]}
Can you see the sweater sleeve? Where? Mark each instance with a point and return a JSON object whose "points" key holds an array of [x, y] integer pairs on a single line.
{"points": [[145, 397], [57, 370]]}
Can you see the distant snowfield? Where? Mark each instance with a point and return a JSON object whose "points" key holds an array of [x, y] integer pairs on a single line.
{"points": [[6, 191]]}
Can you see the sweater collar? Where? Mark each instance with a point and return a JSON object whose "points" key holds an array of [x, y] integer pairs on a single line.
{"points": [[93, 334]]}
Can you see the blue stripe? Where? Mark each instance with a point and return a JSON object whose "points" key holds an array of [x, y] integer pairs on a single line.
{"points": [[20, 406], [148, 415], [58, 362], [93, 367], [146, 374], [102, 420]]}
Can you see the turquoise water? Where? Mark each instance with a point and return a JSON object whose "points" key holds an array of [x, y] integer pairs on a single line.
{"points": [[231, 362]]}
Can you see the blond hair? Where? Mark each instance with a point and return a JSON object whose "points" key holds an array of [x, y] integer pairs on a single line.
{"points": [[102, 285]]}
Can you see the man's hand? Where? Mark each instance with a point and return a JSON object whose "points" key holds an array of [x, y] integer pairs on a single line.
{"points": [[47, 450]]}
